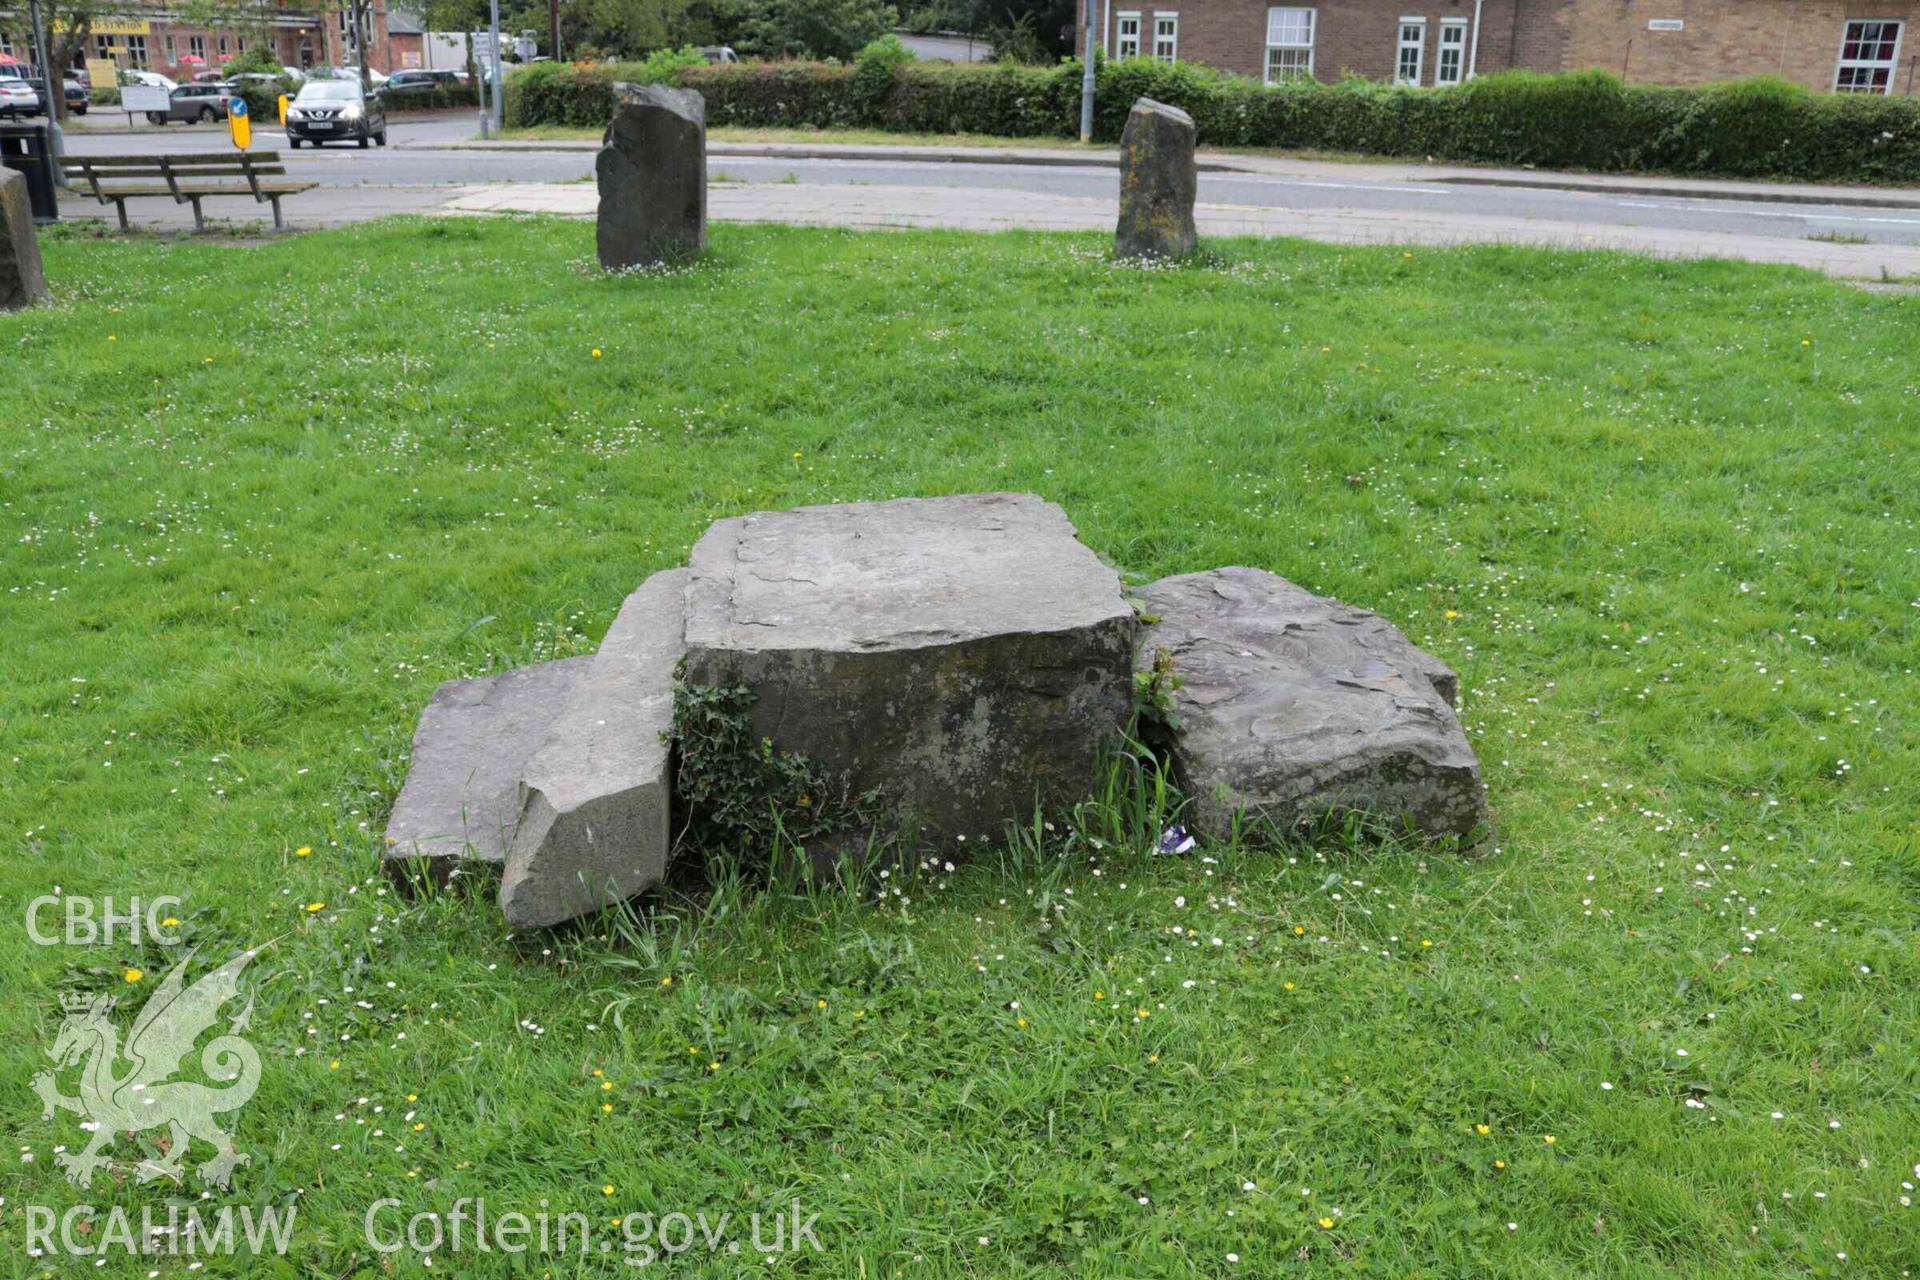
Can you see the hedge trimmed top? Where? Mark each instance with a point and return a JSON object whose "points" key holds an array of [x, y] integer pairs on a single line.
{"points": [[1757, 128]]}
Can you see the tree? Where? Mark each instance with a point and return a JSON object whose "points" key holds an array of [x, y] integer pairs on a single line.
{"points": [[819, 28]]}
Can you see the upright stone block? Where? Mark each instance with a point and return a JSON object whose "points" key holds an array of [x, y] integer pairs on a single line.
{"points": [[966, 656], [1293, 706], [595, 814], [652, 171], [1157, 183], [23, 281], [461, 799]]}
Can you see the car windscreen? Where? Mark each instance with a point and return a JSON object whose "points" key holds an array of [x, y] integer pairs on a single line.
{"points": [[330, 91]]}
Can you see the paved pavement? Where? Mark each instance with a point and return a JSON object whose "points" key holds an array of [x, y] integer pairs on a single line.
{"points": [[435, 166]]}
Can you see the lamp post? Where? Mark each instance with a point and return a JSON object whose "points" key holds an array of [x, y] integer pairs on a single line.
{"points": [[1086, 73], [493, 57], [52, 86]]}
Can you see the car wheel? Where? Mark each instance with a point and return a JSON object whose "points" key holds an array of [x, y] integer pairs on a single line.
{"points": [[156, 117], [381, 137], [79, 111], [293, 143], [364, 140]]}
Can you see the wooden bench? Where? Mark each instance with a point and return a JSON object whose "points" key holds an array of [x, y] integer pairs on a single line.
{"points": [[188, 179]]}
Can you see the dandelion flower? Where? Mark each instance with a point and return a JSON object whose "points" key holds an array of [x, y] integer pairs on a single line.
{"points": [[1326, 1224], [316, 906], [304, 851], [132, 975]]}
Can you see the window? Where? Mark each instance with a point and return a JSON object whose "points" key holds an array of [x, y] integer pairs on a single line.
{"points": [[1127, 36], [172, 52], [102, 47], [1867, 55], [239, 45], [197, 47], [1452, 67], [223, 46], [137, 51], [1289, 44], [1166, 37], [1413, 51]]}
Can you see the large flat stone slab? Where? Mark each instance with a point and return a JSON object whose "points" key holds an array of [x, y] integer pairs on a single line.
{"points": [[967, 656], [595, 817], [461, 798], [1294, 705]]}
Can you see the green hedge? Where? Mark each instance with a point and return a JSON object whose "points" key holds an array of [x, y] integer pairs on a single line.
{"points": [[1762, 128], [434, 99]]}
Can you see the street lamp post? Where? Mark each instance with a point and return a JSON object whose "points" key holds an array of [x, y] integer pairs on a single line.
{"points": [[52, 86], [1086, 73], [499, 89]]}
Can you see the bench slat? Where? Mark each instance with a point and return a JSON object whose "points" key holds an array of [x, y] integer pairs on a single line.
{"points": [[112, 189], [252, 157], [178, 171]]}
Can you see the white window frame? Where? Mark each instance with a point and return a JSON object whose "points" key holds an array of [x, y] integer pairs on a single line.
{"points": [[1127, 45], [1891, 66], [1166, 37], [197, 47], [1457, 46], [1291, 46], [1417, 45]]}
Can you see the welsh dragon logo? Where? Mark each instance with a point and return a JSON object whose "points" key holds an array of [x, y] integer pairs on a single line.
{"points": [[144, 1095]]}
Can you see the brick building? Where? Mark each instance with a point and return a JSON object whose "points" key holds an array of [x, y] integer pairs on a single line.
{"points": [[1851, 45], [155, 37]]}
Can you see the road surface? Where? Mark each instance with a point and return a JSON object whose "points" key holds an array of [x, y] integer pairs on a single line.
{"points": [[1381, 200]]}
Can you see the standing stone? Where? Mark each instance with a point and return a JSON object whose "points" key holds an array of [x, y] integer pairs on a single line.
{"points": [[653, 177], [594, 820], [1157, 183], [1293, 706], [967, 656], [461, 799], [23, 281]]}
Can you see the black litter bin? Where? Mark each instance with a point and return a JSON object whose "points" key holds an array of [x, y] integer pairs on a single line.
{"points": [[24, 147]]}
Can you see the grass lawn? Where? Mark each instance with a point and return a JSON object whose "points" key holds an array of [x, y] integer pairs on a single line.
{"points": [[259, 499]]}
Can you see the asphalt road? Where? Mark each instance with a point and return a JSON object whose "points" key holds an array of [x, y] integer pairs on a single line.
{"points": [[423, 153]]}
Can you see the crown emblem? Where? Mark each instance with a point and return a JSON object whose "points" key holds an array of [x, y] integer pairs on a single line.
{"points": [[80, 1001]]}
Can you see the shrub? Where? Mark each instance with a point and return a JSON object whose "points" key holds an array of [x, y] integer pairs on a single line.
{"points": [[874, 66], [1587, 120]]}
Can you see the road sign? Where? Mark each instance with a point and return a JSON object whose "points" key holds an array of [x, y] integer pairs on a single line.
{"points": [[143, 97], [239, 122]]}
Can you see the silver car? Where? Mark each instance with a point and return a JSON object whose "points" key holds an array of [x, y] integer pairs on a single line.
{"points": [[204, 103], [18, 97]]}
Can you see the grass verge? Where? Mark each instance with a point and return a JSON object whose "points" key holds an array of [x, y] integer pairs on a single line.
{"points": [[260, 499]]}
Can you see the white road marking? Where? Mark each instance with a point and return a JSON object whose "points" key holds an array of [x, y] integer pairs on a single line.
{"points": [[1720, 206]]}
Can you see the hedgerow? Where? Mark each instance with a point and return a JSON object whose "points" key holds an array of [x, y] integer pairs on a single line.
{"points": [[1759, 128]]}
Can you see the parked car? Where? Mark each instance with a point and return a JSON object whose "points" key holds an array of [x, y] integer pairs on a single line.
{"points": [[335, 110], [18, 96], [402, 82], [79, 97], [203, 103], [207, 77], [719, 55], [152, 79]]}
